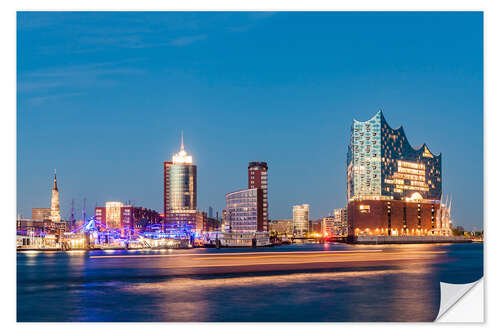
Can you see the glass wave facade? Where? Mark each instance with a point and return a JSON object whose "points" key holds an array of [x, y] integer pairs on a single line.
{"points": [[381, 164]]}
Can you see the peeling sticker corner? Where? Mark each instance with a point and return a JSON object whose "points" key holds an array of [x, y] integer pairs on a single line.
{"points": [[455, 306]]}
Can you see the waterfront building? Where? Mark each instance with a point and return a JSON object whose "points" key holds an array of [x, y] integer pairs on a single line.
{"points": [[212, 224], [225, 222], [333, 226], [185, 220], [40, 214], [341, 220], [201, 223], [125, 218], [392, 188], [382, 164], [281, 227], [258, 178], [113, 215], [40, 233], [328, 227], [42, 227], [144, 219], [179, 195], [45, 228], [301, 220], [236, 239], [55, 210], [245, 210], [315, 227]]}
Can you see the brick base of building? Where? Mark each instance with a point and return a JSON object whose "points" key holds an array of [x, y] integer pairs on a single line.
{"points": [[392, 218]]}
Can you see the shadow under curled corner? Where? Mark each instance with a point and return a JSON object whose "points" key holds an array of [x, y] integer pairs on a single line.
{"points": [[462, 302]]}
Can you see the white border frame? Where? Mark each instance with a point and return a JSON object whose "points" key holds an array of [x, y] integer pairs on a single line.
{"points": [[8, 139]]}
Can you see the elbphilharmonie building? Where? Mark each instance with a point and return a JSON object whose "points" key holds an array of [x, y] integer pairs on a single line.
{"points": [[392, 188]]}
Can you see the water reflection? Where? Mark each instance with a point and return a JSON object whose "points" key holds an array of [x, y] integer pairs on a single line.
{"points": [[74, 287], [413, 293]]}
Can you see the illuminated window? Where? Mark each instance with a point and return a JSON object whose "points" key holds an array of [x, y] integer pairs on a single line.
{"points": [[364, 208]]}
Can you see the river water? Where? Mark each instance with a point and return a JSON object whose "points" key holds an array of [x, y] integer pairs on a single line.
{"points": [[75, 286]]}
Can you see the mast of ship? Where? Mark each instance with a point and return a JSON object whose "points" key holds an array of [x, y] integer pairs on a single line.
{"points": [[84, 212], [72, 218]]}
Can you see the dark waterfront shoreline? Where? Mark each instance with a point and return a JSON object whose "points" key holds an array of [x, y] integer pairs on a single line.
{"points": [[364, 240], [310, 282]]}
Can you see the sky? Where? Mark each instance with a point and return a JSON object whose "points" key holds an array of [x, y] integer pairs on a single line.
{"points": [[103, 98]]}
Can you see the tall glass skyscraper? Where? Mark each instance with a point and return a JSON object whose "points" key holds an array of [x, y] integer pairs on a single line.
{"points": [[179, 184]]}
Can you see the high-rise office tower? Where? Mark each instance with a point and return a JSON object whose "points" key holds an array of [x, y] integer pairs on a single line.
{"points": [[179, 177], [180, 182], [257, 178], [301, 220]]}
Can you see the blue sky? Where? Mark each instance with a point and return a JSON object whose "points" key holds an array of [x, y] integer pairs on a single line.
{"points": [[103, 97]]}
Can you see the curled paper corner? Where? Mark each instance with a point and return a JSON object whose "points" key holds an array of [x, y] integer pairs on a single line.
{"points": [[461, 302]]}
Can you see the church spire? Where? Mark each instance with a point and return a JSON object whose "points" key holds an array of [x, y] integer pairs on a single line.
{"points": [[55, 180], [182, 140], [55, 210]]}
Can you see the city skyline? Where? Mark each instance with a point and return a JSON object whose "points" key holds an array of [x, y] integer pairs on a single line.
{"points": [[97, 157]]}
